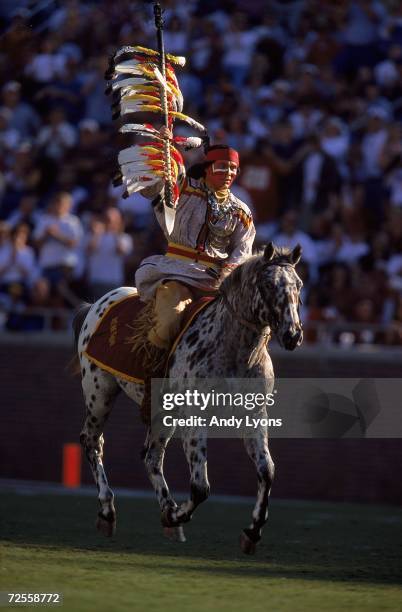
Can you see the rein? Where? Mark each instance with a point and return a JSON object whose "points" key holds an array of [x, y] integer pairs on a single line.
{"points": [[264, 334]]}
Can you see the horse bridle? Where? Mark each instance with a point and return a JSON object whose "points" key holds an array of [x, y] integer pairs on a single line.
{"points": [[270, 324], [252, 326]]}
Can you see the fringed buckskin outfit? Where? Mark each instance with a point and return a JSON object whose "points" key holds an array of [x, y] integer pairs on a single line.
{"points": [[209, 238]]}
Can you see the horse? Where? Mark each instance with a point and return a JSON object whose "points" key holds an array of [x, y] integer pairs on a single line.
{"points": [[228, 339]]}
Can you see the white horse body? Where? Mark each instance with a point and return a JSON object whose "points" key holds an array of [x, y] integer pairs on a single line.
{"points": [[227, 339]]}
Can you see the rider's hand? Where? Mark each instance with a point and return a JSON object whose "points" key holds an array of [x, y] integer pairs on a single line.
{"points": [[165, 132]]}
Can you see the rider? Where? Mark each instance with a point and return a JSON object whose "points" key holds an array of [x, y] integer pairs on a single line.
{"points": [[213, 232]]}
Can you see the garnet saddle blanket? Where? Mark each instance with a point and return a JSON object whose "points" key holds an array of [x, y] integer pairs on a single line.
{"points": [[110, 347]]}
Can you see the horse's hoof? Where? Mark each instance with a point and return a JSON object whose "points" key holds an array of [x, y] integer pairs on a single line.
{"points": [[106, 527], [175, 534], [247, 545], [167, 520]]}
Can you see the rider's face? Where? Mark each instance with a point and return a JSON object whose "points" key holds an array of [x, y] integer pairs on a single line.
{"points": [[221, 174]]}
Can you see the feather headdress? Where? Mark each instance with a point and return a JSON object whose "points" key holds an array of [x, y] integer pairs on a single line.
{"points": [[135, 83]]}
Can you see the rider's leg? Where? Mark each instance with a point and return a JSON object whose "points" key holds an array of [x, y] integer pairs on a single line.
{"points": [[171, 300]]}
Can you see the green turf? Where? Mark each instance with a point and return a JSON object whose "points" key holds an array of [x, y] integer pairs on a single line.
{"points": [[314, 557]]}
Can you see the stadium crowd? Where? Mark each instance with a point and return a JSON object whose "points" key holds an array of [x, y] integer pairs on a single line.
{"points": [[308, 91]]}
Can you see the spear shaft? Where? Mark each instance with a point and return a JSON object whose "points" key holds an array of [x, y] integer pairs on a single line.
{"points": [[165, 114]]}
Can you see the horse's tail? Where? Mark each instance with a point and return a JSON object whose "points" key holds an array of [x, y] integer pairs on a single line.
{"points": [[78, 320]]}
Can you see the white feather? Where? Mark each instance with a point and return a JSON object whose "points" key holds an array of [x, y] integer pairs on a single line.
{"points": [[128, 82], [192, 142], [139, 185], [160, 78], [139, 128], [133, 107], [133, 156], [131, 67]]}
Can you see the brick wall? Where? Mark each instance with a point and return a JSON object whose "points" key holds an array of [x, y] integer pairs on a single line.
{"points": [[42, 408]]}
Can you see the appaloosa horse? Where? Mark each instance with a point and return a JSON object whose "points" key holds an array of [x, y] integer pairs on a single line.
{"points": [[228, 339]]}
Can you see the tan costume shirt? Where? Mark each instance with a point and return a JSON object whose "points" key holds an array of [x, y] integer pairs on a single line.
{"points": [[224, 231]]}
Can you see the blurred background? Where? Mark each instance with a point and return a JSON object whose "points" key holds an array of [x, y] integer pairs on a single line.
{"points": [[310, 93]]}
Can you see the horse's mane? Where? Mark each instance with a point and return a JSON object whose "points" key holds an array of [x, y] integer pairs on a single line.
{"points": [[247, 269]]}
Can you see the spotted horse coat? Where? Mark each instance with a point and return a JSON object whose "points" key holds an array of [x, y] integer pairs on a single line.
{"points": [[227, 340]]}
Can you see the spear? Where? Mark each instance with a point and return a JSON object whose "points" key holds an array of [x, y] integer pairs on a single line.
{"points": [[169, 207]]}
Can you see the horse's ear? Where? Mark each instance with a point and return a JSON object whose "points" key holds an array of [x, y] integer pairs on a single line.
{"points": [[296, 254], [269, 251]]}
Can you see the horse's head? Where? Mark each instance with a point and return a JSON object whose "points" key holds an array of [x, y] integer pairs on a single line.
{"points": [[264, 291], [279, 292]]}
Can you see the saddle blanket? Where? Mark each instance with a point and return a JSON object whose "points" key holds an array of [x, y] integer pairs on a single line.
{"points": [[110, 348]]}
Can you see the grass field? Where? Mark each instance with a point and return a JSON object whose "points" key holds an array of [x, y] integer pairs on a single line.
{"points": [[314, 557]]}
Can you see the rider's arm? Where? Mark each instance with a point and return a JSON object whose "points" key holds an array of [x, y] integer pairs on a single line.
{"points": [[242, 240]]}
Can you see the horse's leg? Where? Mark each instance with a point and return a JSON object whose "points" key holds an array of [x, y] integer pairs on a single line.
{"points": [[195, 449], [100, 390], [257, 449], [154, 454]]}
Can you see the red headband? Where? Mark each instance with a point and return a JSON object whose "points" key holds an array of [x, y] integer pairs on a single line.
{"points": [[223, 155]]}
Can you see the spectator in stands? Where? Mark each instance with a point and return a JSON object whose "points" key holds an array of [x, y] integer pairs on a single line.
{"points": [[265, 174], [334, 290], [36, 313], [97, 106], [66, 180], [275, 101], [27, 212], [48, 64], [17, 41], [57, 237], [56, 136], [239, 41], [305, 119], [18, 268], [361, 33], [87, 157], [24, 174], [320, 183], [176, 36], [22, 117], [372, 146], [335, 142], [364, 313], [206, 54], [345, 248], [289, 236], [373, 141], [324, 46], [64, 92], [99, 198], [9, 137], [107, 248]]}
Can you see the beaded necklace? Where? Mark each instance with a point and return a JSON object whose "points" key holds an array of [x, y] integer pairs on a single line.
{"points": [[217, 209]]}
